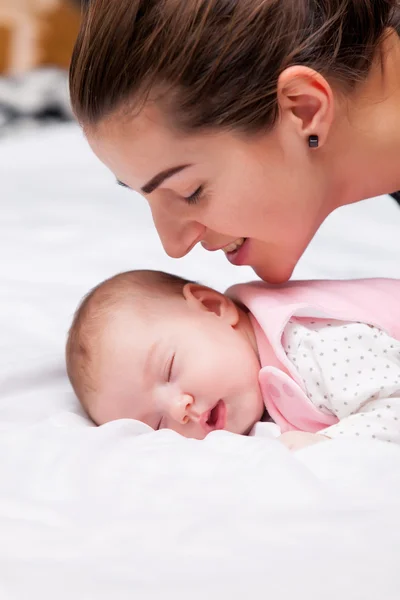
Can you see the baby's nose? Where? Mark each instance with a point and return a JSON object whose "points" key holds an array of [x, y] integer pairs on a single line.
{"points": [[181, 408]]}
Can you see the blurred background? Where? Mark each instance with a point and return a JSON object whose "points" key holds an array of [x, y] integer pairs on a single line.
{"points": [[36, 41]]}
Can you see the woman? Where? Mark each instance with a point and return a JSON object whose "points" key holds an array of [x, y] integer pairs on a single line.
{"points": [[245, 123]]}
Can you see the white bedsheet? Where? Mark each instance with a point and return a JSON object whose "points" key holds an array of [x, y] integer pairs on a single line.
{"points": [[123, 512]]}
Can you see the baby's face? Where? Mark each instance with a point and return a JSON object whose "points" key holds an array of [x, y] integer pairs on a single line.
{"points": [[187, 363]]}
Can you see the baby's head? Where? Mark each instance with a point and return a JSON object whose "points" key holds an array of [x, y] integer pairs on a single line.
{"points": [[154, 347]]}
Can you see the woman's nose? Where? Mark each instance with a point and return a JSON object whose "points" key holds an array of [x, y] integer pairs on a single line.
{"points": [[177, 237], [180, 408]]}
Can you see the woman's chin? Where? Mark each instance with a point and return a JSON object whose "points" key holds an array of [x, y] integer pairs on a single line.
{"points": [[274, 275]]}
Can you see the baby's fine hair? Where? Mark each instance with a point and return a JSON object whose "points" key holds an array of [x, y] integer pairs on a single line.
{"points": [[137, 287]]}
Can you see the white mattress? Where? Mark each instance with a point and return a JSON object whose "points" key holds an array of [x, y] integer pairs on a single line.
{"points": [[121, 511]]}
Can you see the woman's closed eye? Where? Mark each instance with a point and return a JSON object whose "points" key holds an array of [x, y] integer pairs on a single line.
{"points": [[195, 197]]}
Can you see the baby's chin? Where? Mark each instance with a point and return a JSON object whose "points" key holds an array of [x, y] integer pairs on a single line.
{"points": [[249, 421], [250, 427]]}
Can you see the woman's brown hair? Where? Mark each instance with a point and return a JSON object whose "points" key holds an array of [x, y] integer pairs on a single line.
{"points": [[216, 63]]}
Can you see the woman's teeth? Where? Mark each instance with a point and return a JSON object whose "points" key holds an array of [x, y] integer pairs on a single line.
{"points": [[233, 246]]}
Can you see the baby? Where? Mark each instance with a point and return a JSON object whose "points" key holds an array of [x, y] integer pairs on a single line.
{"points": [[314, 356]]}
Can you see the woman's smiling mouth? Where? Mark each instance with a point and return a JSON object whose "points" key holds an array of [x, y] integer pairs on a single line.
{"points": [[232, 250]]}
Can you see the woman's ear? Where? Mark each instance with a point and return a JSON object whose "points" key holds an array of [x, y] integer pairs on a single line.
{"points": [[307, 99], [206, 299]]}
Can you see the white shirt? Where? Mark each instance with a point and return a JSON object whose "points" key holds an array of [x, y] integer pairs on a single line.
{"points": [[351, 370]]}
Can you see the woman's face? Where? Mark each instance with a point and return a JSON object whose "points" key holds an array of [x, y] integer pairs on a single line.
{"points": [[220, 188]]}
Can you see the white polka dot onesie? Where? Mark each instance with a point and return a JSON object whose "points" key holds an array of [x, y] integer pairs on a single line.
{"points": [[351, 370]]}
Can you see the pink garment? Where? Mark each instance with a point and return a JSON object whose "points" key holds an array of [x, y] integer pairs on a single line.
{"points": [[372, 301]]}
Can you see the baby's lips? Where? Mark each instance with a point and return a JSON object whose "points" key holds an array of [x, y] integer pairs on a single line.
{"points": [[217, 415], [203, 421]]}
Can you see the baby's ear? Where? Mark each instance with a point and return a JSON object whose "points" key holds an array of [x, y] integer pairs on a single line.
{"points": [[204, 298]]}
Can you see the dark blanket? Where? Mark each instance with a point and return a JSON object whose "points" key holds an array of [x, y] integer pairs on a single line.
{"points": [[34, 99], [396, 196]]}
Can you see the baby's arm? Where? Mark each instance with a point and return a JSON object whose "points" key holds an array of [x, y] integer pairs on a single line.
{"points": [[296, 440], [376, 419], [368, 401], [352, 370]]}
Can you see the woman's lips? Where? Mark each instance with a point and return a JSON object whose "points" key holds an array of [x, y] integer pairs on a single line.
{"points": [[238, 256], [236, 251], [215, 418]]}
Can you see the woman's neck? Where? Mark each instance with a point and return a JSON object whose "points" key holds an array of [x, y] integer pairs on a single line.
{"points": [[366, 139]]}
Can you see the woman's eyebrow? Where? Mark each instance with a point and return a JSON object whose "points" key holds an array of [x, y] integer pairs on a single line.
{"points": [[158, 179]]}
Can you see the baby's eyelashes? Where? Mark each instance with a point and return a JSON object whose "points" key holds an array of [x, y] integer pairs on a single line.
{"points": [[171, 364]]}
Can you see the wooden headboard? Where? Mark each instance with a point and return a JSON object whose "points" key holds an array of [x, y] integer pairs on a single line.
{"points": [[36, 32]]}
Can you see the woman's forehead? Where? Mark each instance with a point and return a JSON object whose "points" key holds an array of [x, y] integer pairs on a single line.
{"points": [[136, 151], [144, 145]]}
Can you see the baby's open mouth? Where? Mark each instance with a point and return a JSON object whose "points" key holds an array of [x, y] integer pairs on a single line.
{"points": [[215, 418]]}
